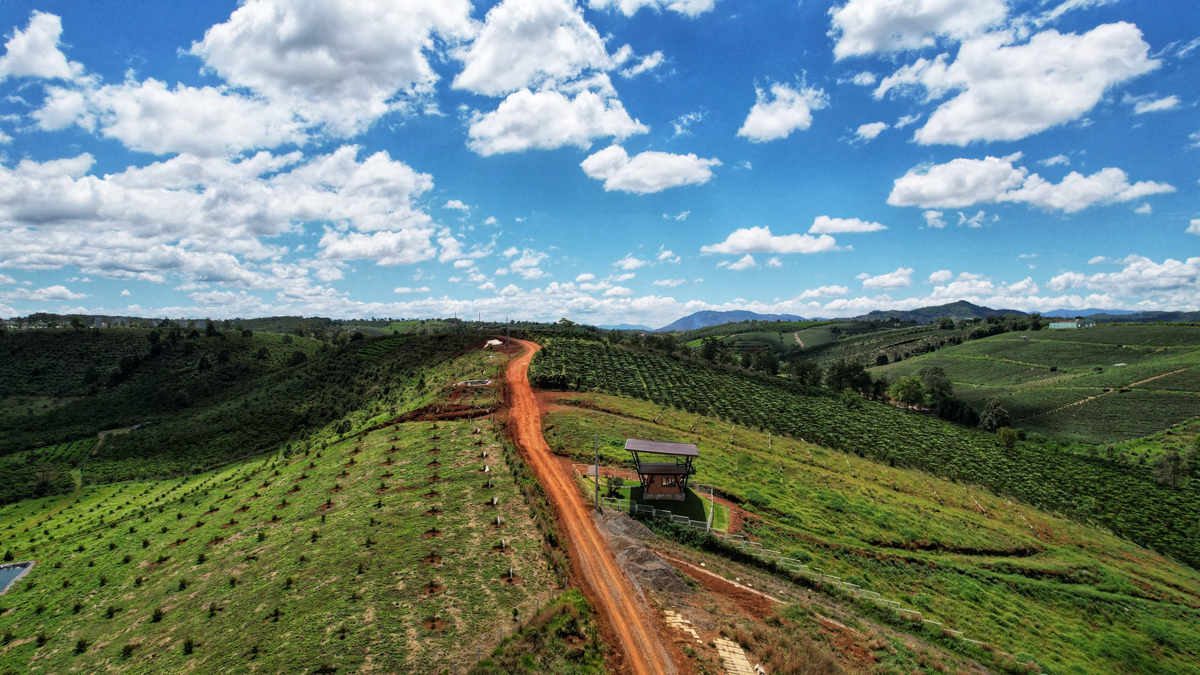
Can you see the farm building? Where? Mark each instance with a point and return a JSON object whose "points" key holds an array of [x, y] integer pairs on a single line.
{"points": [[1074, 323], [663, 479]]}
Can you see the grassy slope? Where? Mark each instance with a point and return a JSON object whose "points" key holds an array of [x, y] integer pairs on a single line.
{"points": [[1125, 498], [199, 418], [1017, 369], [382, 607], [1072, 596]]}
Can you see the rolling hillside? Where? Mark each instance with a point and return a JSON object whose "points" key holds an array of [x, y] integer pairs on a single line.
{"points": [[358, 548], [1069, 596], [1105, 384]]}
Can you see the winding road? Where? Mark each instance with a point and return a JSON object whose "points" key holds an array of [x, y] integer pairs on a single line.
{"points": [[621, 608]]}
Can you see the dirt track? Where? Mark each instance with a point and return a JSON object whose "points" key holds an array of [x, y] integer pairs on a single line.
{"points": [[620, 607]]}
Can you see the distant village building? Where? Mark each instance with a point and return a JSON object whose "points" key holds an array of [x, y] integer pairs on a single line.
{"points": [[1074, 323]]}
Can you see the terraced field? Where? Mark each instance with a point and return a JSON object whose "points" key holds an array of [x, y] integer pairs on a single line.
{"points": [[1105, 384]]}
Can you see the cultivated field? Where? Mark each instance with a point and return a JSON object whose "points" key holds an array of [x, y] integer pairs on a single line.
{"points": [[374, 551], [1105, 384], [1070, 596], [1122, 497]]}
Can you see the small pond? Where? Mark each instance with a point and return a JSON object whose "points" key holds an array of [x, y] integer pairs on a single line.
{"points": [[9, 572]]}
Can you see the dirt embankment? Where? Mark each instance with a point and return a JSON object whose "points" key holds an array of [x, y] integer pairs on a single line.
{"points": [[621, 608]]}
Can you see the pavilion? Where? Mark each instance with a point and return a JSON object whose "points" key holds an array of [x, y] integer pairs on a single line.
{"points": [[663, 479]]}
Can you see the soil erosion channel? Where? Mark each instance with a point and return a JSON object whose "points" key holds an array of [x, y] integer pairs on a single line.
{"points": [[619, 605]]}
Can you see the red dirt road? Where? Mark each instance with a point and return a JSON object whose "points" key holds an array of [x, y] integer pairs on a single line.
{"points": [[619, 606]]}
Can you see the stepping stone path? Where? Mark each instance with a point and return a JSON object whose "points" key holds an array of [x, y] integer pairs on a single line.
{"points": [[679, 623], [733, 657]]}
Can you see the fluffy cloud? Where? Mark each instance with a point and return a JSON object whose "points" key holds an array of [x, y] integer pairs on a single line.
{"points": [[1008, 91], [692, 8], [964, 182], [868, 132], [901, 278], [585, 277], [934, 219], [940, 277], [647, 172], [774, 261], [743, 263], [1194, 227], [644, 65], [548, 120], [760, 240], [783, 111], [1146, 104], [526, 264], [827, 225], [530, 43], [822, 292], [1177, 282], [1066, 281], [149, 117], [862, 27], [629, 262], [670, 282], [34, 52], [406, 289], [338, 64], [46, 294], [206, 219], [1056, 160], [456, 204]]}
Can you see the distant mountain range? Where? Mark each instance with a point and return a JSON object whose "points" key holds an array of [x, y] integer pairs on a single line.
{"points": [[1072, 313], [708, 318], [955, 310], [626, 326]]}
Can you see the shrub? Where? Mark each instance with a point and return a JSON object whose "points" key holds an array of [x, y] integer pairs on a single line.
{"points": [[157, 616], [81, 646]]}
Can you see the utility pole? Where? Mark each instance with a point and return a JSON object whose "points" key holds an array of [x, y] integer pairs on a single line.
{"points": [[597, 472]]}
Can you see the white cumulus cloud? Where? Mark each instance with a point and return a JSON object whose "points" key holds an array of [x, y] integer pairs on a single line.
{"points": [[827, 225], [899, 279], [777, 114], [743, 263], [341, 65], [550, 119], [965, 182], [1005, 91], [862, 27], [647, 172], [692, 8], [760, 240], [34, 52]]}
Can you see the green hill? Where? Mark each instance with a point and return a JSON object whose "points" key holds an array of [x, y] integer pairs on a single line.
{"points": [[372, 549], [178, 402], [1067, 595], [1125, 498], [1105, 384]]}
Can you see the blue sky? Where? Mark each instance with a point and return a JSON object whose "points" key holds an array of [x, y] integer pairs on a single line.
{"points": [[607, 160]]}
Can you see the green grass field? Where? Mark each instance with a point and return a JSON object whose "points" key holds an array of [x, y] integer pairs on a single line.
{"points": [[374, 552], [1071, 596], [1125, 381]]}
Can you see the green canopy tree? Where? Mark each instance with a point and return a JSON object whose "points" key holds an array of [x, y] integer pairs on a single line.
{"points": [[908, 390]]}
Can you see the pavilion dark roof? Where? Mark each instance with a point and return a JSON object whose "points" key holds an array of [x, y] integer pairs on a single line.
{"points": [[662, 448]]}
